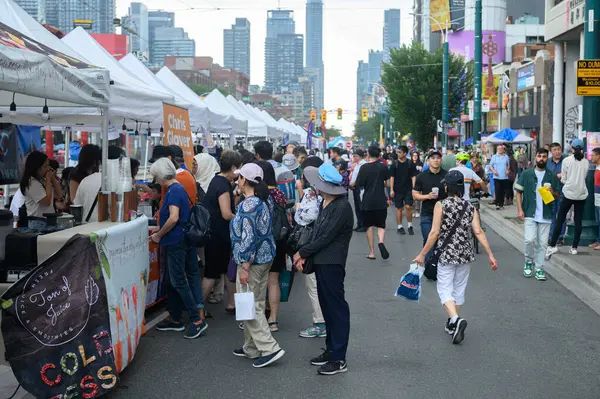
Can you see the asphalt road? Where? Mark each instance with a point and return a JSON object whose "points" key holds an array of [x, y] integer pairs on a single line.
{"points": [[525, 339]]}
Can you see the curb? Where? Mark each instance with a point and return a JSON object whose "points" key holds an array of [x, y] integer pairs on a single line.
{"points": [[575, 277]]}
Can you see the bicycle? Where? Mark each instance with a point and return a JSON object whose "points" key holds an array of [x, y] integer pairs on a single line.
{"points": [[475, 201]]}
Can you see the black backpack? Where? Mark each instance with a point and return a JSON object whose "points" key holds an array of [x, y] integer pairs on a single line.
{"points": [[281, 223], [197, 229]]}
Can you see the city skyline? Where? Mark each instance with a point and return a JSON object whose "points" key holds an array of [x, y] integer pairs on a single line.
{"points": [[236, 46], [314, 50]]}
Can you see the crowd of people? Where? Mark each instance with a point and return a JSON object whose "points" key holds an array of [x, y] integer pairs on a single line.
{"points": [[257, 199]]}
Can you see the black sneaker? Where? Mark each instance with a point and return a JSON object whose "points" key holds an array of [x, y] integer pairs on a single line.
{"points": [[240, 353], [449, 328], [264, 361], [459, 333], [411, 231], [322, 359], [497, 208], [195, 330], [401, 230], [170, 325], [384, 252], [333, 368]]}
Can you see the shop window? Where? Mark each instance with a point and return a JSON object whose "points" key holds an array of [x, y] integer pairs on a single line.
{"points": [[525, 103]]}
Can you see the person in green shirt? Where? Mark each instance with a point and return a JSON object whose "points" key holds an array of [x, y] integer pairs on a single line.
{"points": [[535, 214]]}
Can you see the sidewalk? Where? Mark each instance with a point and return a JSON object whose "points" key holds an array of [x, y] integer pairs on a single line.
{"points": [[580, 273]]}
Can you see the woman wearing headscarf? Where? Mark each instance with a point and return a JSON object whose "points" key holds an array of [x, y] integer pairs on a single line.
{"points": [[204, 168]]}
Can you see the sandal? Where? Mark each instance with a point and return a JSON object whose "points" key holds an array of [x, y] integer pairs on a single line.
{"points": [[230, 310], [274, 326], [371, 258]]}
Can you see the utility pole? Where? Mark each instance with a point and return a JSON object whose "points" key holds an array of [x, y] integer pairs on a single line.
{"points": [[445, 77], [477, 73], [591, 116]]}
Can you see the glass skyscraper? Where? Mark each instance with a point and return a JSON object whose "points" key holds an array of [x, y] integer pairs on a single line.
{"points": [[101, 12], [35, 8], [236, 46], [137, 20], [314, 50], [171, 41], [391, 32]]}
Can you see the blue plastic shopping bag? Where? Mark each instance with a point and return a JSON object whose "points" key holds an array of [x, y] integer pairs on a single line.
{"points": [[410, 283]]}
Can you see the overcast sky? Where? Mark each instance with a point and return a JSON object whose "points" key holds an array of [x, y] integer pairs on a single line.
{"points": [[351, 28]]}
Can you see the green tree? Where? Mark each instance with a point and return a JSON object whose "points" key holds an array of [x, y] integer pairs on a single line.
{"points": [[204, 89], [413, 80], [368, 131], [333, 132]]}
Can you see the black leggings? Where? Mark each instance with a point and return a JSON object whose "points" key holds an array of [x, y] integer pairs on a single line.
{"points": [[562, 215], [501, 187]]}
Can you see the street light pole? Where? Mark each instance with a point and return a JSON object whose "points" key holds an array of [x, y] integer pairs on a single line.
{"points": [[477, 73], [446, 90]]}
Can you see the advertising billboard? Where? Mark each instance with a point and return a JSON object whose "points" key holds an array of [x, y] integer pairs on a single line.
{"points": [[440, 10], [457, 14], [462, 43]]}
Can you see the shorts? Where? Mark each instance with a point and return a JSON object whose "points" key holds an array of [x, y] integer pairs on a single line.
{"points": [[278, 264], [452, 282], [374, 218], [217, 253], [402, 199]]}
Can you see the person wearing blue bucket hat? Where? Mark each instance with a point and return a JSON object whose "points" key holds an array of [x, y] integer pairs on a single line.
{"points": [[328, 252], [574, 171]]}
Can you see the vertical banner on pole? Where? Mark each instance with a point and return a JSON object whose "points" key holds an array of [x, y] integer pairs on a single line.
{"points": [[178, 132], [50, 144], [85, 138]]}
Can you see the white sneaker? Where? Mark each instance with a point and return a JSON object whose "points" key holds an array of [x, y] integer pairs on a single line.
{"points": [[573, 251], [551, 251]]}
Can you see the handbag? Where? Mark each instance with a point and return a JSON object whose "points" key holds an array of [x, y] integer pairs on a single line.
{"points": [[245, 308], [286, 280], [432, 263], [299, 237]]}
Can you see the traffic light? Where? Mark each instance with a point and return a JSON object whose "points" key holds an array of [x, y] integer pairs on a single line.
{"points": [[340, 114], [313, 115], [318, 131], [365, 115], [324, 116]]}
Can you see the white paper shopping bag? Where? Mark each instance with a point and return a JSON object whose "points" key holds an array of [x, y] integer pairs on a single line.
{"points": [[245, 308]]}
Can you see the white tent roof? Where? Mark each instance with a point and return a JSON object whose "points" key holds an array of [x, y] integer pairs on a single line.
{"points": [[274, 130], [270, 118], [198, 114], [218, 101], [130, 97], [219, 121], [294, 134], [256, 127], [69, 81]]}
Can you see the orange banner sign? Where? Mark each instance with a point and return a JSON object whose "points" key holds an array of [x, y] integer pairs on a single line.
{"points": [[177, 131]]}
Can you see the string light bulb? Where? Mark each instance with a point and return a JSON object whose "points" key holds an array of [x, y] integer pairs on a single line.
{"points": [[45, 115], [13, 107]]}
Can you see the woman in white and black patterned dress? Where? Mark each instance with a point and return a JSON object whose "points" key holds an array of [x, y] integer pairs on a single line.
{"points": [[454, 222]]}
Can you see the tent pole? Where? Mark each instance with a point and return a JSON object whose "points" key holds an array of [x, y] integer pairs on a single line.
{"points": [[104, 138], [146, 157], [67, 145]]}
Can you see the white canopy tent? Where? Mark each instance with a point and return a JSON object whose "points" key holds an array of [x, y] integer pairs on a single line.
{"points": [[70, 85], [294, 135], [216, 100], [269, 118], [256, 127], [130, 97], [219, 122], [274, 130], [198, 114]]}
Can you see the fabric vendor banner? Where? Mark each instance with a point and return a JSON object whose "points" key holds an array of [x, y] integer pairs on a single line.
{"points": [[10, 171], [177, 131], [124, 256], [56, 328]]}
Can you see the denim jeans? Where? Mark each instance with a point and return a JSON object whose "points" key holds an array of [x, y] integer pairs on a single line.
{"points": [[426, 224], [598, 221], [555, 209], [536, 242], [184, 288]]}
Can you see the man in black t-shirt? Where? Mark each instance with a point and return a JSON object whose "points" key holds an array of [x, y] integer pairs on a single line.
{"points": [[402, 179], [429, 189], [372, 177]]}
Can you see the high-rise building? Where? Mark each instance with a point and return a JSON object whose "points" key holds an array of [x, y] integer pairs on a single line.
{"points": [[362, 84], [171, 41], [391, 32], [375, 59], [158, 19], [236, 46], [35, 8], [315, 69], [52, 12], [101, 13], [138, 28], [284, 52]]}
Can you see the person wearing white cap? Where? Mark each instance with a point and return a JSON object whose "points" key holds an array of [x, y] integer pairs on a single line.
{"points": [[574, 171], [253, 248]]}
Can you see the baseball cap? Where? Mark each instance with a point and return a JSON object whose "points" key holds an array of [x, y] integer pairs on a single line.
{"points": [[290, 162], [251, 172], [176, 152], [577, 143], [432, 153], [160, 151], [454, 178]]}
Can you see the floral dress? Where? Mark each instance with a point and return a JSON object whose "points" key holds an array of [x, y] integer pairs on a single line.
{"points": [[251, 233], [457, 249]]}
